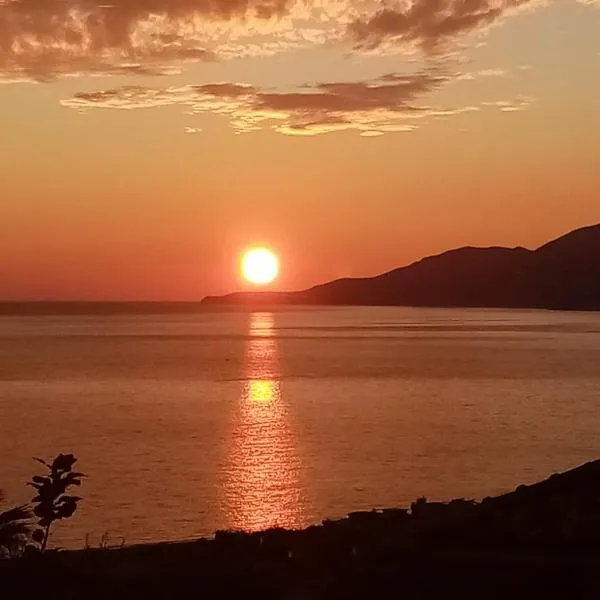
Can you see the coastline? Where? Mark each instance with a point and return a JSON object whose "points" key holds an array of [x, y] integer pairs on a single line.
{"points": [[523, 541]]}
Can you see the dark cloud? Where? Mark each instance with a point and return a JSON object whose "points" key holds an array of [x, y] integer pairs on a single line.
{"points": [[223, 90], [392, 95], [371, 108], [429, 23], [40, 38]]}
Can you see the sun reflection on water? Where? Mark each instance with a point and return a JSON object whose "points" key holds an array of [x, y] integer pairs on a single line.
{"points": [[262, 486]]}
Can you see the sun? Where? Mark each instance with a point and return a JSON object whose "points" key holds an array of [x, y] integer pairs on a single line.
{"points": [[259, 266]]}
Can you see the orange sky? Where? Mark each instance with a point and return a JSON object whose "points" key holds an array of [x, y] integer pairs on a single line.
{"points": [[142, 151]]}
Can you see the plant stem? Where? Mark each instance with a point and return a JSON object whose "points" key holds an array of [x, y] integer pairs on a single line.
{"points": [[45, 541]]}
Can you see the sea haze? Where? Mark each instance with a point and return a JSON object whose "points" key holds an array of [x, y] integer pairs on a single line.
{"points": [[188, 423]]}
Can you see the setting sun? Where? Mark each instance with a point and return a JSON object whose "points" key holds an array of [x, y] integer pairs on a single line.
{"points": [[260, 266]]}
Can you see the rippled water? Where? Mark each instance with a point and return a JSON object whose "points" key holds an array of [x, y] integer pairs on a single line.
{"points": [[186, 424]]}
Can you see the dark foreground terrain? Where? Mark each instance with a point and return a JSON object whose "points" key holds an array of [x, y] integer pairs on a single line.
{"points": [[540, 541]]}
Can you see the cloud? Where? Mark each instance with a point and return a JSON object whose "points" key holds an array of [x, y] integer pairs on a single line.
{"points": [[517, 105], [392, 103], [492, 73], [42, 39], [45, 38], [394, 93], [215, 97], [428, 24], [468, 76]]}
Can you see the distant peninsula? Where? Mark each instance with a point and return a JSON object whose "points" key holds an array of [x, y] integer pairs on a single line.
{"points": [[562, 274]]}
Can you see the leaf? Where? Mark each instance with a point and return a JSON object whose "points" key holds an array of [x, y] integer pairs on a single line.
{"points": [[44, 511], [71, 479], [38, 536], [47, 494], [67, 508], [63, 462], [41, 480], [68, 499], [42, 461]]}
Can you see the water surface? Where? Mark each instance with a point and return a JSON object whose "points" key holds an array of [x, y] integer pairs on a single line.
{"points": [[190, 423]]}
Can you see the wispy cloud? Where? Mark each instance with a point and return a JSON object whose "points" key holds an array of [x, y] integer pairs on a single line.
{"points": [[393, 103], [470, 76], [516, 105], [214, 97]]}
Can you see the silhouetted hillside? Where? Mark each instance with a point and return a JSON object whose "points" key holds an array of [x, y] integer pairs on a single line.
{"points": [[562, 274], [540, 541]]}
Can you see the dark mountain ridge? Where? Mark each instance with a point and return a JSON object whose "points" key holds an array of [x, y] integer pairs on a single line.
{"points": [[561, 274]]}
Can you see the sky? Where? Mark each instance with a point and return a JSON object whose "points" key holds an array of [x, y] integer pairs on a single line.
{"points": [[144, 144]]}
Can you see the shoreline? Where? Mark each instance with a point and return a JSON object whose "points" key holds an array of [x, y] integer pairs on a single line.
{"points": [[215, 304], [539, 533]]}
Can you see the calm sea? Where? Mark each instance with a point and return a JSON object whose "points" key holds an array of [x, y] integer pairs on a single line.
{"points": [[186, 424]]}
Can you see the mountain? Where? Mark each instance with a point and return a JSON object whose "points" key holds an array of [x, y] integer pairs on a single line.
{"points": [[562, 274]]}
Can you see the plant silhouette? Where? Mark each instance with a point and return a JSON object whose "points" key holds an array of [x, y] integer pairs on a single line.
{"points": [[52, 502], [15, 527]]}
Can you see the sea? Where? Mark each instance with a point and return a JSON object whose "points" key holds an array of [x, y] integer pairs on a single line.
{"points": [[185, 424]]}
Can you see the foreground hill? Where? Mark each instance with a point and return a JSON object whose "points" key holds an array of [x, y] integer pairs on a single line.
{"points": [[562, 274], [540, 541]]}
